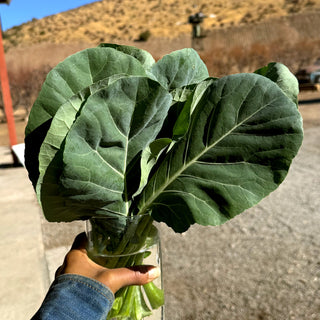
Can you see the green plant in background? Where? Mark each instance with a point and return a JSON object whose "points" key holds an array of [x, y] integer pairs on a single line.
{"points": [[115, 133]]}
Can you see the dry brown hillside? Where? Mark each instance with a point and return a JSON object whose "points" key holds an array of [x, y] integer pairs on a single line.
{"points": [[243, 36], [127, 20]]}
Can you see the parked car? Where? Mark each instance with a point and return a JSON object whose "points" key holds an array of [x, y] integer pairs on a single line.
{"points": [[309, 74]]}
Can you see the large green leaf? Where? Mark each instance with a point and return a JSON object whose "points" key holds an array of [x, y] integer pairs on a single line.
{"points": [[281, 75], [71, 78], [143, 56], [115, 124], [180, 68], [184, 101], [243, 135], [75, 73], [182, 123], [149, 157], [62, 122]]}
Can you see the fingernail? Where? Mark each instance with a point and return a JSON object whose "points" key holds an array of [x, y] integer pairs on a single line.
{"points": [[154, 273]]}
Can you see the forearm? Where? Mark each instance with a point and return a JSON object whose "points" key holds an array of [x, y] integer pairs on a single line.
{"points": [[75, 297]]}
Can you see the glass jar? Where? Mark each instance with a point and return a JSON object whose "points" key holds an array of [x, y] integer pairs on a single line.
{"points": [[116, 241]]}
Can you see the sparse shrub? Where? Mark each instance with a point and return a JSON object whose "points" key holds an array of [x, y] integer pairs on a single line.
{"points": [[310, 3], [5, 35], [144, 36], [222, 60], [25, 84], [247, 18]]}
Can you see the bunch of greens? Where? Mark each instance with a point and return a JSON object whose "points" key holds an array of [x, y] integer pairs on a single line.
{"points": [[113, 132]]}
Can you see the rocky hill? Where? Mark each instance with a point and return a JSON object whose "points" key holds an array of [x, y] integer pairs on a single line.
{"points": [[127, 20]]}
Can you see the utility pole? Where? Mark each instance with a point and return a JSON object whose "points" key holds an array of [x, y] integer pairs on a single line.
{"points": [[195, 20], [6, 96]]}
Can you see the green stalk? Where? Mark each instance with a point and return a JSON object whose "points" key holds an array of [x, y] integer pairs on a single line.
{"points": [[130, 302], [154, 294]]}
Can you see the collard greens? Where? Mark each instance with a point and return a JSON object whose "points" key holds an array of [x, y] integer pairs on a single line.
{"points": [[114, 132]]}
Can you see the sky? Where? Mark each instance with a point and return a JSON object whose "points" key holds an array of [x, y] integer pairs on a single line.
{"points": [[21, 11]]}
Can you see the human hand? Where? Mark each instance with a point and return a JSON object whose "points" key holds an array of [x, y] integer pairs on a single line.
{"points": [[77, 262]]}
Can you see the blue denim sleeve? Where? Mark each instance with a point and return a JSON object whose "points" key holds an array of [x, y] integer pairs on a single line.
{"points": [[75, 297]]}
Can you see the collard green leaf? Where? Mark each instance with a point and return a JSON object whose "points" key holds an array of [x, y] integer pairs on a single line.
{"points": [[149, 158], [184, 101], [59, 127], [282, 76], [242, 137], [121, 134], [33, 144], [182, 94], [143, 56], [113, 127], [71, 78], [62, 122], [75, 73], [182, 123], [179, 69]]}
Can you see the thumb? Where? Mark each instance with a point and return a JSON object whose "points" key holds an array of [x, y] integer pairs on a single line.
{"points": [[137, 275]]}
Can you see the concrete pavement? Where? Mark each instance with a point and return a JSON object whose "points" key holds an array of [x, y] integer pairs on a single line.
{"points": [[28, 259], [23, 272], [263, 264]]}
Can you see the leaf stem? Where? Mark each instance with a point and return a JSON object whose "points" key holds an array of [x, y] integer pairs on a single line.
{"points": [[136, 239]]}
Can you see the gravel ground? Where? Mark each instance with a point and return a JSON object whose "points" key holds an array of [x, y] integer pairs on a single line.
{"points": [[264, 264]]}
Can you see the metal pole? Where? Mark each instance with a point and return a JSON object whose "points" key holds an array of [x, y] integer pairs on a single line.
{"points": [[6, 96]]}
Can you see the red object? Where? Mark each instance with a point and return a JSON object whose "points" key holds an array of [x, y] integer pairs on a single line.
{"points": [[6, 96]]}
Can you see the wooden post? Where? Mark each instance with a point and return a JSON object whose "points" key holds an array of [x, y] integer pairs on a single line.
{"points": [[6, 96]]}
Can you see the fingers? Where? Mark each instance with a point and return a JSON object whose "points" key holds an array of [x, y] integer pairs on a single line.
{"points": [[140, 275], [144, 273], [78, 262], [137, 275]]}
